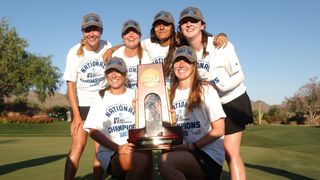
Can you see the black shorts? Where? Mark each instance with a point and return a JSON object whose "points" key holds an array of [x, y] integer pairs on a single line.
{"points": [[84, 110], [239, 114], [210, 167]]}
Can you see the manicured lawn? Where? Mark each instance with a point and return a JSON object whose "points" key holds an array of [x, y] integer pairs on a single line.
{"points": [[38, 151]]}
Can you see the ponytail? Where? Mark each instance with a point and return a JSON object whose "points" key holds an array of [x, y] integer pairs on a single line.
{"points": [[80, 51]]}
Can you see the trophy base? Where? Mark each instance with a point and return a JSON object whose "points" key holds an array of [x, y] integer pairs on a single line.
{"points": [[171, 137]]}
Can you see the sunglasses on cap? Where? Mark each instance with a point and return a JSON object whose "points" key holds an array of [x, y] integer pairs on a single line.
{"points": [[189, 19], [91, 28]]}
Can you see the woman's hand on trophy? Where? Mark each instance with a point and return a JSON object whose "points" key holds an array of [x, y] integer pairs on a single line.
{"points": [[180, 147], [134, 103], [173, 117], [126, 149]]}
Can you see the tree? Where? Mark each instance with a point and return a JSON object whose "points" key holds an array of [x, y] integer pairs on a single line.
{"points": [[21, 71], [306, 102]]}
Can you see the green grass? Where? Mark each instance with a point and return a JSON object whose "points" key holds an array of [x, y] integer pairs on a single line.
{"points": [[38, 151]]}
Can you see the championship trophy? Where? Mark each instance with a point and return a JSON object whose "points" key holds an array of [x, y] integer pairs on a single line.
{"points": [[154, 127]]}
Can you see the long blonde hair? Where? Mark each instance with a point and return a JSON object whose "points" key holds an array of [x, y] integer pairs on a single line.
{"points": [[80, 51]]}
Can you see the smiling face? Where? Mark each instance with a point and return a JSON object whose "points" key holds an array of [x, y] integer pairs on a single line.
{"points": [[191, 27], [163, 30], [92, 36], [116, 80], [131, 38], [183, 69]]}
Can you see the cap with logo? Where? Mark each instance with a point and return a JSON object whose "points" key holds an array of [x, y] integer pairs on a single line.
{"points": [[91, 20], [131, 24], [116, 63], [191, 12], [164, 16], [185, 51]]}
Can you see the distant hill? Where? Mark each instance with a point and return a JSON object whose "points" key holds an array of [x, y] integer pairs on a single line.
{"points": [[263, 106], [61, 100], [57, 100]]}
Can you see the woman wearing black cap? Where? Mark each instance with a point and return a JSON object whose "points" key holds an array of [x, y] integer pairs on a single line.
{"points": [[200, 115], [221, 67], [84, 74]]}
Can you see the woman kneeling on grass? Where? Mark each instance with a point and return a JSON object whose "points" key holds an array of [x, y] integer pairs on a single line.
{"points": [[201, 117], [108, 122]]}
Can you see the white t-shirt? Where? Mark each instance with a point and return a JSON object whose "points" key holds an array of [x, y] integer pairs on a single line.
{"points": [[132, 63], [196, 124], [87, 71], [157, 53], [113, 115], [222, 67]]}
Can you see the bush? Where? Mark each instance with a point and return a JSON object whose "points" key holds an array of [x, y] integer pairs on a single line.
{"points": [[58, 112], [25, 119]]}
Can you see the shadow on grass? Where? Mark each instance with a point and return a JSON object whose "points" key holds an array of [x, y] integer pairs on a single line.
{"points": [[9, 141], [8, 168], [276, 171], [86, 177], [156, 176]]}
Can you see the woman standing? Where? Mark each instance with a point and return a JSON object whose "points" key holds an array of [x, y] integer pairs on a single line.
{"points": [[162, 42], [132, 52], [222, 68], [200, 115], [84, 74]]}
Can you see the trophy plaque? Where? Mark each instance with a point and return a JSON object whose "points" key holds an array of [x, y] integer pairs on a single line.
{"points": [[154, 127]]}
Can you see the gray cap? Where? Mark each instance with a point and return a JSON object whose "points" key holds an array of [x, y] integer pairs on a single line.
{"points": [[91, 20], [131, 24], [185, 51], [164, 16], [116, 63], [191, 12]]}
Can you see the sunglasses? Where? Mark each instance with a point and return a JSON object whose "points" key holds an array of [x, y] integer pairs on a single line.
{"points": [[191, 20], [91, 28]]}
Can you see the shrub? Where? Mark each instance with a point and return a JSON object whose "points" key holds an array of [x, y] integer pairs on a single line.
{"points": [[25, 119]]}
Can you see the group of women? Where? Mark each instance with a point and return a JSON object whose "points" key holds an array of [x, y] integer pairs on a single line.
{"points": [[202, 71]]}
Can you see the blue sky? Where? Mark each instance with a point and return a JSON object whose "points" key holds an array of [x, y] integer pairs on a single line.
{"points": [[277, 41]]}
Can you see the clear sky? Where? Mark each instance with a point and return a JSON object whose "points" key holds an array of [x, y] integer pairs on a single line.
{"points": [[277, 41]]}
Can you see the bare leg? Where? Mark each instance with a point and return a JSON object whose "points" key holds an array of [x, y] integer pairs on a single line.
{"points": [[142, 166], [135, 166], [180, 165], [79, 141], [232, 144]]}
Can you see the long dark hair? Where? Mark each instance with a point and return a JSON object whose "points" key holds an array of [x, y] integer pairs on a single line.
{"points": [[196, 89], [167, 66]]}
